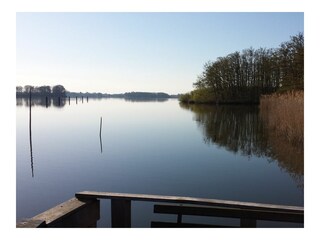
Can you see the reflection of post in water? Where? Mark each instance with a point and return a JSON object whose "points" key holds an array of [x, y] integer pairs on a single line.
{"points": [[76, 100], [30, 135], [69, 101], [100, 134]]}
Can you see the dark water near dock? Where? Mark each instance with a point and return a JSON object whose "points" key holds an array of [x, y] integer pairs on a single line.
{"points": [[149, 147]]}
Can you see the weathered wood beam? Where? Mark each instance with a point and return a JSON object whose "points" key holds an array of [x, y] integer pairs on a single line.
{"points": [[72, 213], [187, 200], [29, 223]]}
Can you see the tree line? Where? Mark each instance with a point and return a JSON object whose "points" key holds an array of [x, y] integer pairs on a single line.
{"points": [[42, 91], [60, 91], [244, 77]]}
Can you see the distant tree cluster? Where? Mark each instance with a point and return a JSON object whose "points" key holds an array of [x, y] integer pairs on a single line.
{"points": [[245, 76], [146, 95], [43, 91]]}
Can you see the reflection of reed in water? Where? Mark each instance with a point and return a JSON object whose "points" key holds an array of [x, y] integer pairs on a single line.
{"points": [[290, 157], [283, 119], [30, 135]]}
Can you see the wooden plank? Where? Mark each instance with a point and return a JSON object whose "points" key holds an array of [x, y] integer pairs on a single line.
{"points": [[185, 225], [120, 213], [188, 200], [283, 216]]}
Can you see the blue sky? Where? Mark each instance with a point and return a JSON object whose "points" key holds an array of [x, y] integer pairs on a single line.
{"points": [[120, 52]]}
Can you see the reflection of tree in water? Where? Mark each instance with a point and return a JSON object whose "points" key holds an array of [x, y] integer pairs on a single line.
{"points": [[19, 102], [236, 128], [241, 129], [59, 102], [41, 101]]}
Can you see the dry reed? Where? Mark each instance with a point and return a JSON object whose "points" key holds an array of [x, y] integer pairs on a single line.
{"points": [[284, 114]]}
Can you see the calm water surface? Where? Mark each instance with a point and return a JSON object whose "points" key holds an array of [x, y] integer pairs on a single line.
{"points": [[151, 147]]}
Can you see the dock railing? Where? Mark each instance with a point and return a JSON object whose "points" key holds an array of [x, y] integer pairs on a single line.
{"points": [[84, 211]]}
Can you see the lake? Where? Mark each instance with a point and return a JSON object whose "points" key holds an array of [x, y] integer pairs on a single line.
{"points": [[150, 147]]}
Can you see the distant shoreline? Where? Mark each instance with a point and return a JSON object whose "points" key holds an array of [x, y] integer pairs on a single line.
{"points": [[132, 95], [127, 95]]}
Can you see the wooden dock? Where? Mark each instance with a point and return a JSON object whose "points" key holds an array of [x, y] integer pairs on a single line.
{"points": [[84, 211]]}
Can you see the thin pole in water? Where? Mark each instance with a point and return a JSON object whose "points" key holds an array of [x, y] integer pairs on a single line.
{"points": [[100, 134], [30, 135], [100, 125]]}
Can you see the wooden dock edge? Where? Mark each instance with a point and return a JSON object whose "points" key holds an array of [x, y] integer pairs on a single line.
{"points": [[72, 213], [84, 211]]}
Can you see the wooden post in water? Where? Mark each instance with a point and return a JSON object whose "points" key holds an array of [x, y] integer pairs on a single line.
{"points": [[100, 134], [46, 101], [30, 134], [30, 98], [82, 99], [100, 125], [59, 99], [87, 99], [69, 100], [76, 100]]}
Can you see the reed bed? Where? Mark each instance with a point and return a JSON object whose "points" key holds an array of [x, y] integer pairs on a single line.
{"points": [[284, 115]]}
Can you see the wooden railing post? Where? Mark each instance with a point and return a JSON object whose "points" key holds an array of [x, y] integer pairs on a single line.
{"points": [[120, 213], [248, 223], [179, 217]]}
